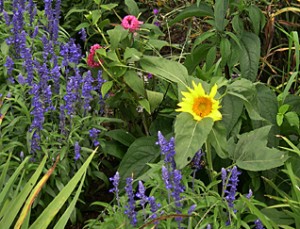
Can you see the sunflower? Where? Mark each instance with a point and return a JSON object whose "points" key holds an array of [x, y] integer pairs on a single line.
{"points": [[199, 104]]}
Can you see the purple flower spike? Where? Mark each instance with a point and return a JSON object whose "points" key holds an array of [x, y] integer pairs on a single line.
{"points": [[130, 208], [141, 194], [77, 149], [232, 185], [153, 207], [116, 180]]}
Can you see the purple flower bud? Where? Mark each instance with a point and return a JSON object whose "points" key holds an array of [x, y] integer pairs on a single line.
{"points": [[82, 32], [249, 195], [192, 209], [155, 11]]}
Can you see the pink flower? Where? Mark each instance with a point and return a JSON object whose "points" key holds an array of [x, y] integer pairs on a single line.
{"points": [[91, 60], [131, 22]]}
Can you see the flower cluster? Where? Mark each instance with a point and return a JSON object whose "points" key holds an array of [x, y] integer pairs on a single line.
{"points": [[92, 60]]}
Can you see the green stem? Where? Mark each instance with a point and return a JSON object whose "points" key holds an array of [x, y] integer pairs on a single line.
{"points": [[209, 162]]}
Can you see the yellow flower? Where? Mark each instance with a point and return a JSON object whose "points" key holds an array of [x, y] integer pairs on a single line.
{"points": [[199, 104]]}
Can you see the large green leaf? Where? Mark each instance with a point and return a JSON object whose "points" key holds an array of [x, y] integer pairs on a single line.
{"points": [[116, 35], [220, 14], [267, 107], [133, 8], [121, 136], [166, 69], [141, 151], [190, 135], [251, 152], [217, 138], [201, 10], [232, 108], [250, 55], [155, 98]]}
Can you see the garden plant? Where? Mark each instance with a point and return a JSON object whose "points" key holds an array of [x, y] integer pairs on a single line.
{"points": [[149, 114]]}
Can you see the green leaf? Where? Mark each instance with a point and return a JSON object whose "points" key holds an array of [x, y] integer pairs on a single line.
{"points": [[269, 224], [133, 8], [202, 10], [82, 25], [154, 98], [217, 138], [156, 44], [116, 35], [190, 135], [196, 56], [145, 104], [279, 119], [134, 163], [225, 50], [96, 15], [204, 36], [232, 108], [9, 184], [16, 204], [132, 79], [114, 149], [4, 48], [284, 108], [292, 118], [251, 152], [75, 10], [255, 15], [108, 7], [121, 136], [62, 222], [250, 55], [165, 69], [211, 57], [221, 7], [237, 24], [106, 87], [132, 55], [53, 208]]}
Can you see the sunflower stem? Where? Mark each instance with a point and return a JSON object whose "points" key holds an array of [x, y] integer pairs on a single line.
{"points": [[211, 171]]}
